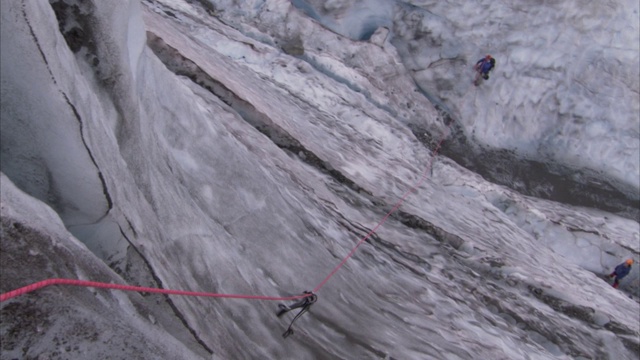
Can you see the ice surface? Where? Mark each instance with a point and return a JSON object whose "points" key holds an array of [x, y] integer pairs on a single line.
{"points": [[213, 160], [565, 87], [69, 322]]}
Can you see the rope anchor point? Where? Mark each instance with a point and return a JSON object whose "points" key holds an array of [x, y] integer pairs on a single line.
{"points": [[304, 303]]}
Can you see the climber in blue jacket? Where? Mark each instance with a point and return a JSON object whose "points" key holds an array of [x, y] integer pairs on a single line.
{"points": [[482, 68], [484, 65], [621, 271]]}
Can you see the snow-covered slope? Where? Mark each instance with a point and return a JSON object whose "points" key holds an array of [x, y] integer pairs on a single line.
{"points": [[71, 322], [565, 92], [189, 147]]}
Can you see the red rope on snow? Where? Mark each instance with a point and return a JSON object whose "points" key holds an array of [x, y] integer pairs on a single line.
{"points": [[95, 284], [423, 177]]}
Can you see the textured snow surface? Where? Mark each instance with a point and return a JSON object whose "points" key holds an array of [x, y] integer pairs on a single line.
{"points": [[566, 86], [245, 149]]}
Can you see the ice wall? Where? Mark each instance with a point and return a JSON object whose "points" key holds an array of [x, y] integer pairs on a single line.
{"points": [[566, 84], [239, 157], [565, 90], [69, 321]]}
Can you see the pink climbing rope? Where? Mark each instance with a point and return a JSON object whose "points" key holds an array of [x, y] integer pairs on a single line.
{"points": [[95, 284], [423, 177]]}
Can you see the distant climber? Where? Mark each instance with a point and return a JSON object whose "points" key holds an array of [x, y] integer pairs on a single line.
{"points": [[621, 271], [483, 67]]}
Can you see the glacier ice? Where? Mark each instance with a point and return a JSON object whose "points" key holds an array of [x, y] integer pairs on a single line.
{"points": [[209, 146]]}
